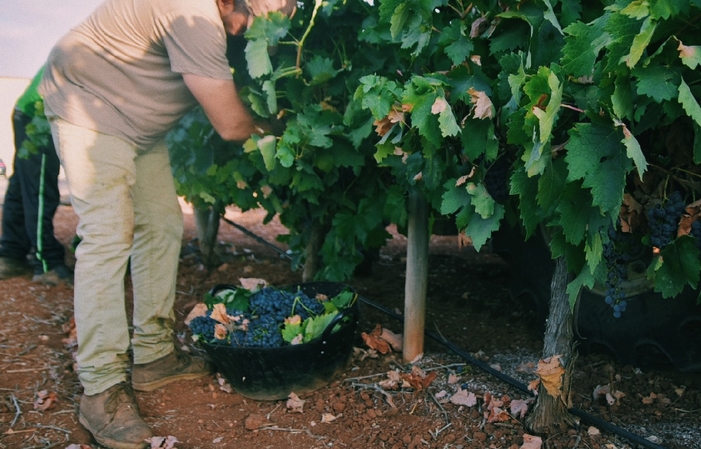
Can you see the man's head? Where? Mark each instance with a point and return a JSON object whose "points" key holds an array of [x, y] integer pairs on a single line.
{"points": [[237, 15]]}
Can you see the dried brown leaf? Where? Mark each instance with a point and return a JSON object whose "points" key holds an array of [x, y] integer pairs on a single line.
{"points": [[519, 408], [464, 397], [45, 400], [295, 404], [550, 372], [200, 309], [531, 442]]}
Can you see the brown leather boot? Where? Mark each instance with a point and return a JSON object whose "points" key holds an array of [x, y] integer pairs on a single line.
{"points": [[175, 366], [113, 418]]}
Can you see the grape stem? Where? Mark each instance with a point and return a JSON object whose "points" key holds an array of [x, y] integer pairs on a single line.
{"points": [[300, 46]]}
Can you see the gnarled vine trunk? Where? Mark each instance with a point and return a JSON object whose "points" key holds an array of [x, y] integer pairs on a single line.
{"points": [[207, 222], [550, 413], [312, 252]]}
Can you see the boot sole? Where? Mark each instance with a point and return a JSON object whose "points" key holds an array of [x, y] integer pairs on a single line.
{"points": [[107, 442], [153, 385]]}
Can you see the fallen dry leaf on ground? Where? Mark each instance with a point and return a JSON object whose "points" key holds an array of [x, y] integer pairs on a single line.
{"points": [[531, 442], [374, 340], [45, 400], [164, 442], [464, 397], [295, 404], [256, 421]]}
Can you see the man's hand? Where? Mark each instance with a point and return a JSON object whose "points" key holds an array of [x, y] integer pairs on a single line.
{"points": [[223, 107], [274, 126]]}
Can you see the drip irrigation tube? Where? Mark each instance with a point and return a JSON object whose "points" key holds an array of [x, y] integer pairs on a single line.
{"points": [[591, 419], [600, 423], [257, 238]]}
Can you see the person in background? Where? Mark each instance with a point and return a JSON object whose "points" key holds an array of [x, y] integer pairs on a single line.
{"points": [[28, 245], [113, 87]]}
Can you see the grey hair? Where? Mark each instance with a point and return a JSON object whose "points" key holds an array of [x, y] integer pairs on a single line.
{"points": [[263, 7]]}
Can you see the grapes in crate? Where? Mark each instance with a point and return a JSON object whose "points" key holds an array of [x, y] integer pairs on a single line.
{"points": [[273, 318]]}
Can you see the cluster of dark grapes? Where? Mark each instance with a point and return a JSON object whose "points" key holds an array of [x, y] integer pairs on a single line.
{"points": [[203, 326], [617, 253], [496, 180], [281, 304], [268, 309], [663, 220], [263, 332]]}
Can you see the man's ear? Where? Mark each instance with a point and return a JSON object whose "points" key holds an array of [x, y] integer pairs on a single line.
{"points": [[225, 7]]}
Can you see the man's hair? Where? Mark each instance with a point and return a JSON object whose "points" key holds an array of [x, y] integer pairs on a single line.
{"points": [[263, 7]]}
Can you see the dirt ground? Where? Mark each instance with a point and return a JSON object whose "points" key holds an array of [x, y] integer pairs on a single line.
{"points": [[462, 407]]}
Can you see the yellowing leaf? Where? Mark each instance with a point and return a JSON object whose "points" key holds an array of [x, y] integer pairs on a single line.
{"points": [[439, 105], [550, 372], [483, 105], [690, 55]]}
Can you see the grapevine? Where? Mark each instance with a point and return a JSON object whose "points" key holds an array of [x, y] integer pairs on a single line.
{"points": [[589, 104]]}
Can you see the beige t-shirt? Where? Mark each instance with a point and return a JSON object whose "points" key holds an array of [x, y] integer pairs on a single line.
{"points": [[120, 71]]}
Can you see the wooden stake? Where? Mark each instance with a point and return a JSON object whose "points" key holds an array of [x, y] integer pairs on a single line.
{"points": [[416, 276]]}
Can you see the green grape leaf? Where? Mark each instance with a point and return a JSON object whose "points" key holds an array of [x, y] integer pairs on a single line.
{"points": [[548, 116], [377, 94], [623, 30], [583, 42], [622, 98], [480, 229], [459, 50], [271, 96], [481, 199], [291, 331], [454, 197], [320, 70], [551, 185], [689, 103], [677, 265], [637, 9], [526, 188], [640, 42], [315, 326], [595, 155], [664, 9], [421, 99], [267, 145], [344, 299], [258, 59], [549, 15], [583, 279], [446, 119], [657, 82], [634, 152]]}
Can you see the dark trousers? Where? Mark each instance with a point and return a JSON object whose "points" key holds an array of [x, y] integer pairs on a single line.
{"points": [[30, 204]]}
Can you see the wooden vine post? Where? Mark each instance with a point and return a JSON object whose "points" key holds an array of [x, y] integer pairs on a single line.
{"points": [[416, 276]]}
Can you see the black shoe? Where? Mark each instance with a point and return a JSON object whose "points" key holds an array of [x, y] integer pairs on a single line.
{"points": [[10, 268]]}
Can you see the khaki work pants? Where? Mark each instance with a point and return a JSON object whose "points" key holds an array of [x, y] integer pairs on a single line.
{"points": [[127, 208]]}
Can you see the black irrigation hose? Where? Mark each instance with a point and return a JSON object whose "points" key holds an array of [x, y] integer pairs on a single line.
{"points": [[257, 238], [594, 420]]}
